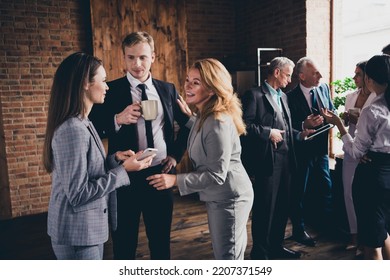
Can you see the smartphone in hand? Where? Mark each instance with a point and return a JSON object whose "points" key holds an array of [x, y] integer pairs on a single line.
{"points": [[147, 152]]}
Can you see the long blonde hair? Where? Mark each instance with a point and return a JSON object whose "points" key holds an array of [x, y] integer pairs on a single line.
{"points": [[215, 77]]}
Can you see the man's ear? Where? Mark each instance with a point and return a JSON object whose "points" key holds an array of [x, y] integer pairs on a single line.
{"points": [[153, 56], [276, 72], [301, 76]]}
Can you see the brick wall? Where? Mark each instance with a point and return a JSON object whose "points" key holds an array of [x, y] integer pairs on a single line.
{"points": [[271, 24], [211, 29], [299, 27], [232, 30], [35, 37]]}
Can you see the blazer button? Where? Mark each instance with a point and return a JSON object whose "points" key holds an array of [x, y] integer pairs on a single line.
{"points": [[105, 210]]}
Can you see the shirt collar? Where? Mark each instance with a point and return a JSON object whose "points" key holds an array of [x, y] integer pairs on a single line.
{"points": [[273, 91], [305, 90], [135, 82]]}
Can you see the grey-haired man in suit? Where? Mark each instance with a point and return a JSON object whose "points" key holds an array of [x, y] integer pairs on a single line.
{"points": [[268, 154], [305, 101]]}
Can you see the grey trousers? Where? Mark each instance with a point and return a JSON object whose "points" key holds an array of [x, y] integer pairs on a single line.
{"points": [[227, 221], [68, 252]]}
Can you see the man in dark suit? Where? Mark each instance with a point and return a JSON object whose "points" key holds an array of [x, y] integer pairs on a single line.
{"points": [[268, 155], [305, 101], [119, 119]]}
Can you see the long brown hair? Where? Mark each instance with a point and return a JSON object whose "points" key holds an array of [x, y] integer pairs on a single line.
{"points": [[215, 77], [66, 96]]}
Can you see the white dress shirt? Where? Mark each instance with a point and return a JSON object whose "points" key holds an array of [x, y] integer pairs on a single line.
{"points": [[307, 94], [350, 101], [372, 130], [157, 124]]}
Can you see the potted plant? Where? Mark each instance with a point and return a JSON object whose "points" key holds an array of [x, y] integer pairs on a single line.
{"points": [[341, 88]]}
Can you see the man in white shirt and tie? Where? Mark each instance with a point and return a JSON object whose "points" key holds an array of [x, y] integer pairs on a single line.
{"points": [[119, 119]]}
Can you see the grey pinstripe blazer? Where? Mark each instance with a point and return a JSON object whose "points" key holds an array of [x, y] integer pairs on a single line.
{"points": [[81, 184], [215, 153]]}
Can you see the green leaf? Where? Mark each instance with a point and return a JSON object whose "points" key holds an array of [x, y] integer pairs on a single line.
{"points": [[340, 88]]}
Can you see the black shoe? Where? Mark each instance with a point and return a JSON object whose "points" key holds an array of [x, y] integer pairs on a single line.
{"points": [[257, 254], [284, 254], [304, 238]]}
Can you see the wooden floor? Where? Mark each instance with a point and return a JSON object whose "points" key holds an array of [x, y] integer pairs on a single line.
{"points": [[25, 238]]}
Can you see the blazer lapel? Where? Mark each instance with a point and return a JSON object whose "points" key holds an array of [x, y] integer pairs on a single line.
{"points": [[165, 100], [127, 87], [277, 114], [323, 95], [97, 140], [303, 102], [284, 102]]}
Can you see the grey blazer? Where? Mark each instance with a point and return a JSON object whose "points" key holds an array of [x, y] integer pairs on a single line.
{"points": [[215, 153], [81, 184]]}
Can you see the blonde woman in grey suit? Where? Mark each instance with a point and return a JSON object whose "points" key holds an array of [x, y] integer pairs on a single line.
{"points": [[215, 152], [83, 185]]}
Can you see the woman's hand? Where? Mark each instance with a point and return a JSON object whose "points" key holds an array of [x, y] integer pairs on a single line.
{"points": [[331, 117], [168, 163], [184, 107], [345, 117], [132, 164], [162, 181], [123, 155], [365, 159]]}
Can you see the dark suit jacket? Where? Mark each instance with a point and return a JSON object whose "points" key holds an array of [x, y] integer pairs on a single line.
{"points": [[261, 114], [118, 98], [299, 111]]}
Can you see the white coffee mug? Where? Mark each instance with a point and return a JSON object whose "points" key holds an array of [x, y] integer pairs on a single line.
{"points": [[354, 111], [149, 109]]}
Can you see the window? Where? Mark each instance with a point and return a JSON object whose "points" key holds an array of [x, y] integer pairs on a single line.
{"points": [[360, 30]]}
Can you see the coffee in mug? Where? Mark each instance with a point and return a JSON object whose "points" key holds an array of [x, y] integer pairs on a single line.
{"points": [[149, 109]]}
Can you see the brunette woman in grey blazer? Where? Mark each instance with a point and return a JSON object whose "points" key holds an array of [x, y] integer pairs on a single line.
{"points": [[215, 152], [83, 185]]}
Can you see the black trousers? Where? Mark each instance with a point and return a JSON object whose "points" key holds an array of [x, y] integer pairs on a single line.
{"points": [[371, 197], [313, 171], [270, 207], [156, 208]]}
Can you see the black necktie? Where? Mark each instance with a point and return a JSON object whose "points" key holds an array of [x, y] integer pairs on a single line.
{"points": [[313, 99], [148, 124]]}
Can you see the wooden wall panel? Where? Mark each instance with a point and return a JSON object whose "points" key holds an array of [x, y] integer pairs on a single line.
{"points": [[165, 20]]}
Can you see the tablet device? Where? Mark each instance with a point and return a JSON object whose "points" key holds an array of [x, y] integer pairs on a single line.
{"points": [[147, 152], [319, 131]]}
